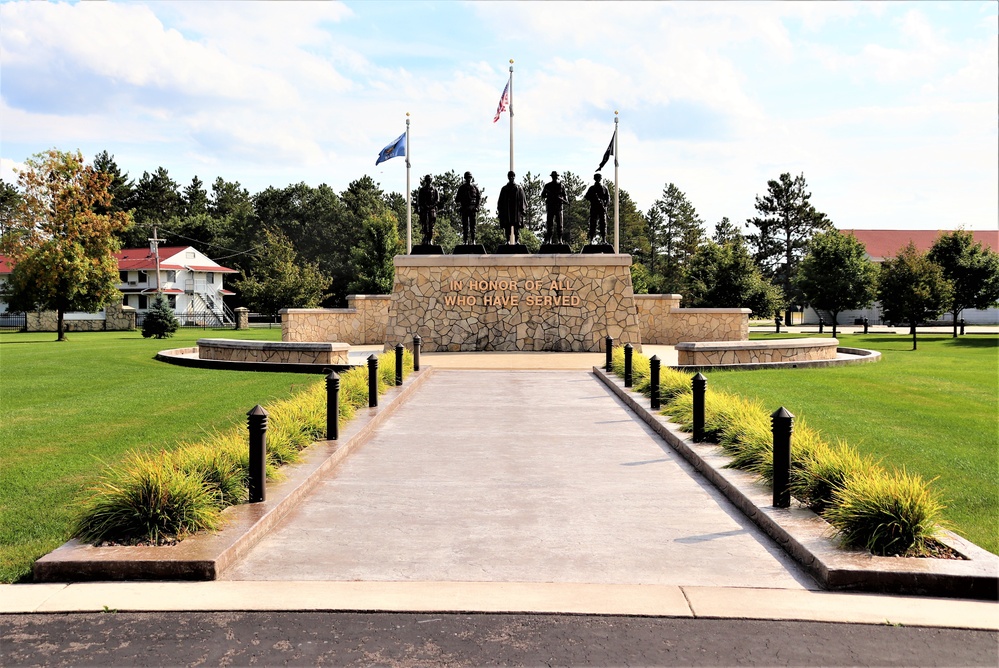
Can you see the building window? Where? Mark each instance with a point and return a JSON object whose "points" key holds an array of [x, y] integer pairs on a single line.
{"points": [[171, 276], [210, 276], [172, 301], [123, 276], [143, 302], [143, 276], [189, 255], [124, 300]]}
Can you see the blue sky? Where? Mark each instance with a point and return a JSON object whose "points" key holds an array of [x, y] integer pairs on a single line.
{"points": [[889, 109]]}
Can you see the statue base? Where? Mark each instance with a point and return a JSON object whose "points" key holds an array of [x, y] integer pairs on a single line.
{"points": [[469, 249], [512, 249], [427, 249], [597, 248], [554, 249]]}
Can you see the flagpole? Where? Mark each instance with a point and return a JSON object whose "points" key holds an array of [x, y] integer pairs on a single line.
{"points": [[511, 114], [617, 191], [409, 197]]}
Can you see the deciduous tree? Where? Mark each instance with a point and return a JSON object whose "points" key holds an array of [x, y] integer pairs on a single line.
{"points": [[836, 275], [912, 288], [61, 247], [280, 279], [724, 276], [971, 268]]}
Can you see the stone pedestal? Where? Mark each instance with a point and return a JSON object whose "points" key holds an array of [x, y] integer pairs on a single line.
{"points": [[242, 317], [504, 302]]}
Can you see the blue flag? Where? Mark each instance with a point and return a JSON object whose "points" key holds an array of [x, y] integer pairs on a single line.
{"points": [[395, 149]]}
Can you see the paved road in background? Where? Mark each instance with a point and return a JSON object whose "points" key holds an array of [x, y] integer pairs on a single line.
{"points": [[392, 639]]}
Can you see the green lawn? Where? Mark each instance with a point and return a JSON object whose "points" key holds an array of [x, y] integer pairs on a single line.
{"points": [[934, 411], [66, 408]]}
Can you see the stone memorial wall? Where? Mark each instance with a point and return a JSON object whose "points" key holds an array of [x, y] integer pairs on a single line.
{"points": [[513, 302]]}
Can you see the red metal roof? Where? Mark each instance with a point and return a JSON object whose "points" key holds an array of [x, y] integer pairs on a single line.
{"points": [[887, 243], [227, 293], [166, 291], [218, 269], [5, 266]]}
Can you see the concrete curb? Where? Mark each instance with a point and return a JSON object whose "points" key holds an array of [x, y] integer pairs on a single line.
{"points": [[205, 556], [808, 538]]}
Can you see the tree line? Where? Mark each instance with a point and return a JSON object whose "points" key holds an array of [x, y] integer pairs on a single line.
{"points": [[308, 246]]}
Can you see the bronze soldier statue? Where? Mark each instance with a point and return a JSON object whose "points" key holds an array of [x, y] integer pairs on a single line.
{"points": [[599, 200], [511, 207], [427, 200], [468, 198], [555, 198]]}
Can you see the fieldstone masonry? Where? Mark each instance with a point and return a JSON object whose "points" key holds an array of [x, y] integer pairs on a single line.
{"points": [[362, 322], [234, 350], [510, 302], [713, 353], [117, 318]]}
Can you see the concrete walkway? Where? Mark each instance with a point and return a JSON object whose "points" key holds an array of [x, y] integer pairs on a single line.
{"points": [[518, 476]]}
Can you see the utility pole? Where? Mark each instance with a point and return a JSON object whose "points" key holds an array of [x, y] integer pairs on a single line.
{"points": [[154, 246]]}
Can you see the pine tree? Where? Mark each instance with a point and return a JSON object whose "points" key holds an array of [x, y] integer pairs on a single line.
{"points": [[160, 322]]}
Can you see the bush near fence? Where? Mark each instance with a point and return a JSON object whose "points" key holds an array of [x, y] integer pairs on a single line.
{"points": [[886, 512]]}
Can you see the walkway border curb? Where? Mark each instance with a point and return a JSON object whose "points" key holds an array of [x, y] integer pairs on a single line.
{"points": [[205, 556], [807, 538]]}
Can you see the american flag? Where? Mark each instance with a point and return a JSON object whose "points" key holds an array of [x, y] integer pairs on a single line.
{"points": [[503, 103]]}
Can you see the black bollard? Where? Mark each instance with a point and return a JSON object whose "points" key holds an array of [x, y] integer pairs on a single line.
{"points": [[256, 424], [821, 326], [654, 380], [699, 385], [417, 342], [783, 425], [777, 324], [332, 406], [962, 326], [628, 350], [372, 381], [866, 324], [398, 363], [608, 353]]}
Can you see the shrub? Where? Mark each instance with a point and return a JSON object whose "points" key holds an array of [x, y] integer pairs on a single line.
{"points": [[148, 499], [888, 513]]}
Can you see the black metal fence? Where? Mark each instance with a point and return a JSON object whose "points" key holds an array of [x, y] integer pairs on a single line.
{"points": [[195, 320], [13, 322], [264, 321]]}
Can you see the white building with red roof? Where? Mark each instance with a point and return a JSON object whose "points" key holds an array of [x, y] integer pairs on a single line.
{"points": [[882, 244], [190, 280]]}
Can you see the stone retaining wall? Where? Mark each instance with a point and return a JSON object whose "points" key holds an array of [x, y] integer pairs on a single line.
{"points": [[705, 324], [235, 350], [753, 352], [363, 322], [653, 313], [513, 302], [117, 318]]}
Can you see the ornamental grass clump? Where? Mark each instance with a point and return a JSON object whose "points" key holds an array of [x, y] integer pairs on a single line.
{"points": [[819, 472], [148, 499], [890, 514], [162, 498]]}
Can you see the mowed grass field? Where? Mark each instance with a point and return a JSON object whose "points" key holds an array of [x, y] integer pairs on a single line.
{"points": [[933, 411], [68, 408]]}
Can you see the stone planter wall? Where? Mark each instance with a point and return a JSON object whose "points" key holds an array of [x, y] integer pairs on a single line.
{"points": [[234, 350], [755, 352], [513, 302]]}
